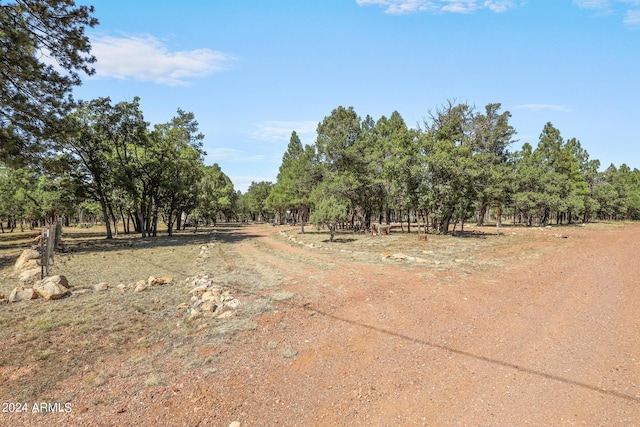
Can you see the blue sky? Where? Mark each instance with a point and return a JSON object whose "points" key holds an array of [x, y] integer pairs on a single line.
{"points": [[254, 70]]}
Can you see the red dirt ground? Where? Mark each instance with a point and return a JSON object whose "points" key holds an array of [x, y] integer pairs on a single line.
{"points": [[553, 340]]}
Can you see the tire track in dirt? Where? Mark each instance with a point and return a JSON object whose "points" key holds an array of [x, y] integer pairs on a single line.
{"points": [[538, 356], [549, 341]]}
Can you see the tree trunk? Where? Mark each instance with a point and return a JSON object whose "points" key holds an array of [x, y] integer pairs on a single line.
{"points": [[482, 213], [141, 222], [105, 214], [170, 220]]}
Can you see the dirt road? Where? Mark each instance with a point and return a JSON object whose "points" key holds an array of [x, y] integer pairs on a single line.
{"points": [[550, 340]]}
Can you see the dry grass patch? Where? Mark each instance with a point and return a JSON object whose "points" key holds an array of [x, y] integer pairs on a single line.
{"points": [[80, 334], [475, 249]]}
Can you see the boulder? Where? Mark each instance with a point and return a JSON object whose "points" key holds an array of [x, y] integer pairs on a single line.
{"points": [[26, 255], [52, 289], [20, 293], [58, 280], [31, 264], [30, 275]]}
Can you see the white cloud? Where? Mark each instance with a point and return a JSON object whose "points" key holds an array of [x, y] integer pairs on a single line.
{"points": [[498, 6], [277, 131], [534, 108], [592, 4], [399, 7], [145, 58], [459, 6], [632, 17]]}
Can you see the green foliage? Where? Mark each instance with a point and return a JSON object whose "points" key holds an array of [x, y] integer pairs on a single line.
{"points": [[330, 210], [296, 179], [456, 167], [215, 194], [255, 200], [34, 95], [132, 172]]}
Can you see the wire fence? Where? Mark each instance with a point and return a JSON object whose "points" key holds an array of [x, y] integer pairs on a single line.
{"points": [[49, 241]]}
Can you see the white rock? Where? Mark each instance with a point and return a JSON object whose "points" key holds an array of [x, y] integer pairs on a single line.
{"points": [[19, 294], [26, 255], [234, 303], [102, 286], [30, 275], [141, 287], [48, 289], [58, 280]]}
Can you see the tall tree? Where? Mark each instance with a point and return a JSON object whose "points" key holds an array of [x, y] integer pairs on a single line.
{"points": [[215, 194], [492, 137], [343, 171], [450, 177], [297, 177], [256, 198], [35, 93], [174, 168], [88, 145]]}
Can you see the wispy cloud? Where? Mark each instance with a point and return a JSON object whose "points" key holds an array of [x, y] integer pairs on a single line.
{"points": [[498, 6], [534, 108], [592, 4], [277, 131], [630, 8], [146, 58], [400, 7], [632, 17]]}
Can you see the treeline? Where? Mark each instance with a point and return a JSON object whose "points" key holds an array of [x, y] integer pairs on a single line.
{"points": [[108, 164], [455, 167]]}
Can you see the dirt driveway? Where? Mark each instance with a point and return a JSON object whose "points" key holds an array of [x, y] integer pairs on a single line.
{"points": [[366, 340]]}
